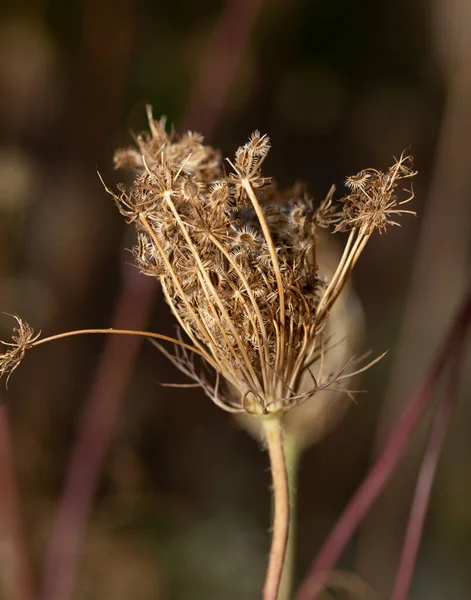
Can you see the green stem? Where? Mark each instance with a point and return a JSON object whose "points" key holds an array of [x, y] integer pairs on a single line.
{"points": [[292, 455], [281, 517]]}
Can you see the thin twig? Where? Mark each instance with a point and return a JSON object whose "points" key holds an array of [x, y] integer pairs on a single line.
{"points": [[281, 510], [425, 480], [380, 472], [114, 331]]}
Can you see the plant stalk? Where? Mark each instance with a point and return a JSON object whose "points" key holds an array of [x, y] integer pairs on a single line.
{"points": [[292, 454], [281, 513]]}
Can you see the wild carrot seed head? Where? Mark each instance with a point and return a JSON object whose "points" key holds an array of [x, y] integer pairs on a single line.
{"points": [[240, 277], [23, 337], [237, 261], [373, 202]]}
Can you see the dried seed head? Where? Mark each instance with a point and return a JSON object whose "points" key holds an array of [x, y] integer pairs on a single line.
{"points": [[373, 202], [237, 261], [23, 338], [237, 258]]}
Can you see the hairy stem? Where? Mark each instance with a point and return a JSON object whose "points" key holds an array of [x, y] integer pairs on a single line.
{"points": [[274, 439], [292, 454]]}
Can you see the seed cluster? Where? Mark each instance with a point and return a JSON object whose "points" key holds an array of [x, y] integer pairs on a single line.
{"points": [[23, 338], [236, 258], [237, 261], [241, 279], [373, 200]]}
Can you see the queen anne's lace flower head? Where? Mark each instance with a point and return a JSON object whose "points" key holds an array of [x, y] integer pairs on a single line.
{"points": [[237, 262], [237, 258]]}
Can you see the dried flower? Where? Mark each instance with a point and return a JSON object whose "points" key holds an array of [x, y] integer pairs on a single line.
{"points": [[237, 259], [373, 201], [238, 264], [23, 338]]}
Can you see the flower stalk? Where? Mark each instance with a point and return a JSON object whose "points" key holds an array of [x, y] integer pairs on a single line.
{"points": [[24, 338], [272, 427], [292, 454], [237, 262]]}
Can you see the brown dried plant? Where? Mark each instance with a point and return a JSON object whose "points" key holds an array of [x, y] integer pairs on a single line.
{"points": [[23, 338], [237, 258], [237, 261], [238, 265]]}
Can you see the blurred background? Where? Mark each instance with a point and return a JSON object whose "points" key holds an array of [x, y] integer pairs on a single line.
{"points": [[181, 498]]}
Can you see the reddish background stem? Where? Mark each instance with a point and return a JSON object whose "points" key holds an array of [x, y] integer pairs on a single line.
{"points": [[425, 480], [133, 310], [378, 475]]}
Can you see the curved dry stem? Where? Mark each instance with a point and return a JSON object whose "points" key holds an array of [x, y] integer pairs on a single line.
{"points": [[264, 350], [147, 334], [294, 363], [201, 329], [215, 359], [344, 258], [251, 375], [24, 339], [351, 254], [274, 439], [276, 267]]}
